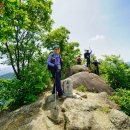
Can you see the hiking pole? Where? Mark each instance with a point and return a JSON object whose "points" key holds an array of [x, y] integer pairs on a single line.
{"points": [[55, 93], [55, 110]]}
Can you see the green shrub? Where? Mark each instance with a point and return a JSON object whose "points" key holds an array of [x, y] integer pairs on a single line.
{"points": [[122, 97], [105, 109], [82, 88], [15, 93], [115, 71], [5, 99]]}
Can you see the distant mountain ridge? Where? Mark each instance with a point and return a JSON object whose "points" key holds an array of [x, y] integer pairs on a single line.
{"points": [[5, 70], [128, 63], [7, 76]]}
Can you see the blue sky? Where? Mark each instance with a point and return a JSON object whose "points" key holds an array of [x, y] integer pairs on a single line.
{"points": [[104, 25]]}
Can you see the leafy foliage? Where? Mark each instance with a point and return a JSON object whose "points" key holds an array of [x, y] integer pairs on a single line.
{"points": [[115, 71], [22, 26], [4, 94], [105, 109], [15, 93], [82, 88], [117, 74], [122, 97]]}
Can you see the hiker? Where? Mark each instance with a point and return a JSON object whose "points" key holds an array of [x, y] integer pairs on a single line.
{"points": [[87, 56], [54, 65], [96, 64], [79, 60]]}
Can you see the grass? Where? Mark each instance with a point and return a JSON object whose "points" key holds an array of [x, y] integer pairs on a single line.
{"points": [[82, 88], [105, 109]]}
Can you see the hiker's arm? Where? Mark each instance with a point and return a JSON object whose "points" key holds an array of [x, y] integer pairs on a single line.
{"points": [[90, 51], [49, 61]]}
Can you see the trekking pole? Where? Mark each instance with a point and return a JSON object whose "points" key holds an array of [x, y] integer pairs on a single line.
{"points": [[55, 93]]}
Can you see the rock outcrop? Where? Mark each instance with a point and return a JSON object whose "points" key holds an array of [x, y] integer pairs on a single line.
{"points": [[77, 68], [93, 112], [85, 111], [91, 81]]}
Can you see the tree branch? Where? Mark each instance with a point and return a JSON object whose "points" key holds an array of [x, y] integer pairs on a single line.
{"points": [[11, 60]]}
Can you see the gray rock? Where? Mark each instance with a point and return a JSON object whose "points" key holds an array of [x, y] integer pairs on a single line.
{"points": [[71, 114], [119, 119], [67, 86], [78, 120], [75, 69], [91, 81]]}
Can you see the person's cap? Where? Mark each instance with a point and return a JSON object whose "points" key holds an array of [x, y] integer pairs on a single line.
{"points": [[56, 46]]}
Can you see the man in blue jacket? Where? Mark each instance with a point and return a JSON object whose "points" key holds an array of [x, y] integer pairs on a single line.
{"points": [[54, 65]]}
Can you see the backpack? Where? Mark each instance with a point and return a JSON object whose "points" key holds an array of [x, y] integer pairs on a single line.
{"points": [[79, 60], [50, 68], [87, 55]]}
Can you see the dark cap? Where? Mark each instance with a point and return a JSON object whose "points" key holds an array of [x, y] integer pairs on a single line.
{"points": [[56, 46]]}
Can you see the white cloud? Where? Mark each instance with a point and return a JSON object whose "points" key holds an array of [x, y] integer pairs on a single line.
{"points": [[97, 38]]}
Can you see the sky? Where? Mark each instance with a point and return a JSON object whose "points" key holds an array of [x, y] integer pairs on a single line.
{"points": [[102, 25]]}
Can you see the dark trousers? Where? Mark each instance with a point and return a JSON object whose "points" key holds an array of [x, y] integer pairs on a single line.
{"points": [[96, 70], [57, 82], [78, 63], [88, 63]]}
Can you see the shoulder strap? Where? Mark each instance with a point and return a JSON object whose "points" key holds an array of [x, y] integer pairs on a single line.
{"points": [[52, 55], [60, 56]]}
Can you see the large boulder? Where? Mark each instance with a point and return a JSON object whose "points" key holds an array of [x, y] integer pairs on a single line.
{"points": [[119, 119], [76, 68], [91, 81], [96, 112]]}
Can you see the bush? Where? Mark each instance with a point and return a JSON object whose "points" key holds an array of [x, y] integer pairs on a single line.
{"points": [[122, 97], [115, 71], [15, 93], [81, 88], [105, 109], [5, 99]]}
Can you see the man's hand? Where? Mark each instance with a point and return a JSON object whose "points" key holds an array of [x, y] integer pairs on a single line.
{"points": [[55, 67]]}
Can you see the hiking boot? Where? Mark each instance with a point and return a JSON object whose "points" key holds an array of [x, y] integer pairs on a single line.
{"points": [[62, 97]]}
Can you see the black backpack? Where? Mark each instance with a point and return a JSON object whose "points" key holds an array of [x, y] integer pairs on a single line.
{"points": [[50, 68], [87, 55]]}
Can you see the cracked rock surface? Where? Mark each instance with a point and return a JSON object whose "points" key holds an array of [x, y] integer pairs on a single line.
{"points": [[92, 112]]}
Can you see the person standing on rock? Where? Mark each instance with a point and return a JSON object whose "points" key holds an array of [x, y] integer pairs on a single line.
{"points": [[54, 65], [87, 56], [96, 64]]}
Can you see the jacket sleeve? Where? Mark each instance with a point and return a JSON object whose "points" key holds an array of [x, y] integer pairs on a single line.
{"points": [[90, 51], [49, 61]]}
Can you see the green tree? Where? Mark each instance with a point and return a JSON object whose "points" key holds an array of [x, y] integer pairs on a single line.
{"points": [[115, 71], [122, 97], [22, 26]]}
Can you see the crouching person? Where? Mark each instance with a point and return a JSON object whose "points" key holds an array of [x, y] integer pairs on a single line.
{"points": [[54, 66]]}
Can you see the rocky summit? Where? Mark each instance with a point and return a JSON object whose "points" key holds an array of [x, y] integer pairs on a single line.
{"points": [[85, 111], [88, 110]]}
